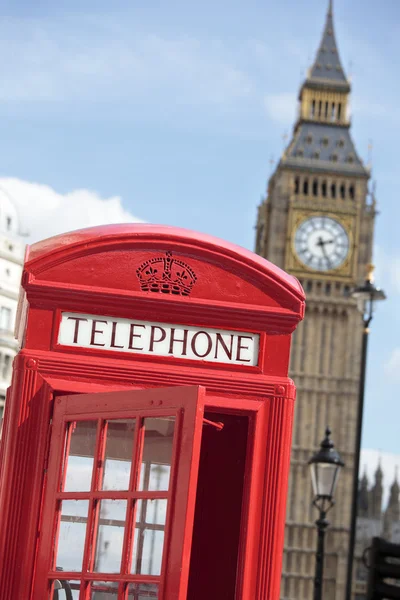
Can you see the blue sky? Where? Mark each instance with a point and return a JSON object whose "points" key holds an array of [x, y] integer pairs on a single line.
{"points": [[175, 110]]}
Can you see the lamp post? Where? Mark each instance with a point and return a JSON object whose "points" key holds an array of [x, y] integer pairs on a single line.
{"points": [[366, 295], [325, 466]]}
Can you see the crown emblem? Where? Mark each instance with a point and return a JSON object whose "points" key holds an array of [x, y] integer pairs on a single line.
{"points": [[166, 275]]}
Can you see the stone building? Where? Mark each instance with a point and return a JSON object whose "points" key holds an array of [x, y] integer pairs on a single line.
{"points": [[11, 258], [373, 520], [317, 222]]}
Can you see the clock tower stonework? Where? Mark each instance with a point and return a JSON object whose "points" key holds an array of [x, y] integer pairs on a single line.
{"points": [[317, 223]]}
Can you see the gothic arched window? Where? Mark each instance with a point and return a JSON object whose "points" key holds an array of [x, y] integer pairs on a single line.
{"points": [[333, 190], [352, 192], [315, 187], [343, 191], [297, 185], [324, 189], [305, 187]]}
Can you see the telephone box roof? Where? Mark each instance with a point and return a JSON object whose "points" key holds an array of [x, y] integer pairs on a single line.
{"points": [[64, 247]]}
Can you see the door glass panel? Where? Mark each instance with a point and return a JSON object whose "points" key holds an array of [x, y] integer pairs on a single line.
{"points": [[78, 462], [142, 591], [156, 511], [153, 542], [65, 590], [149, 537], [102, 590], [71, 535], [118, 455], [110, 536], [157, 453]]}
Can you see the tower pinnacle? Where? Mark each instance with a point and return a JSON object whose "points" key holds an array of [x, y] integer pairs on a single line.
{"points": [[321, 134], [327, 65]]}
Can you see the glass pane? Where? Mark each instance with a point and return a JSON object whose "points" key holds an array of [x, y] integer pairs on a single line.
{"points": [[101, 590], [110, 536], [79, 462], [118, 456], [142, 591], [156, 511], [65, 590], [149, 537], [157, 453], [325, 478], [71, 535]]}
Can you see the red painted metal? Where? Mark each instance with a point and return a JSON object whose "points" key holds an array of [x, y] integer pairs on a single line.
{"points": [[94, 271], [184, 403]]}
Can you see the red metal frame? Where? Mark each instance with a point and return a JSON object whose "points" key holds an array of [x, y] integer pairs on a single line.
{"points": [[93, 271], [187, 405]]}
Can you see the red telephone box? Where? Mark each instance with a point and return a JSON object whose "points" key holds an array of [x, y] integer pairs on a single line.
{"points": [[146, 442]]}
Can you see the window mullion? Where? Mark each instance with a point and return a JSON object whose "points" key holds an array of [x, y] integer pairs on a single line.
{"points": [[90, 542], [137, 450]]}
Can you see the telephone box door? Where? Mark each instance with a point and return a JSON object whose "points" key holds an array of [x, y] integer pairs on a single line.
{"points": [[120, 494]]}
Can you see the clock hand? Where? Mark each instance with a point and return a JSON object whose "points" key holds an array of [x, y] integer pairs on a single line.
{"points": [[328, 260], [323, 243]]}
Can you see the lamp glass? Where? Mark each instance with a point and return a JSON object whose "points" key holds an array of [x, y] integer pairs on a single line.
{"points": [[324, 478]]}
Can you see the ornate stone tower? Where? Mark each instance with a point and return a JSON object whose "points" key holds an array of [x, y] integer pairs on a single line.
{"points": [[317, 223]]}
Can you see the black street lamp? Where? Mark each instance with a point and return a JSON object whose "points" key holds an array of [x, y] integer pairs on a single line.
{"points": [[325, 466], [366, 295]]}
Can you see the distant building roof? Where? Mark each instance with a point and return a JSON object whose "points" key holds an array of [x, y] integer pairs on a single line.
{"points": [[323, 147]]}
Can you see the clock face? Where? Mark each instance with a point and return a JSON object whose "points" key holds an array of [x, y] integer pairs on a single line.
{"points": [[321, 243]]}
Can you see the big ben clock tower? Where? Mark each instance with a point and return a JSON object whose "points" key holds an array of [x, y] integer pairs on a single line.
{"points": [[317, 223]]}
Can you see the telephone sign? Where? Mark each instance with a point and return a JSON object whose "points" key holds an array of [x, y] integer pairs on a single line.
{"points": [[158, 339]]}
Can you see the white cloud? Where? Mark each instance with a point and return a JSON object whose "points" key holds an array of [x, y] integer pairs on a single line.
{"points": [[281, 107], [44, 212], [369, 461]]}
